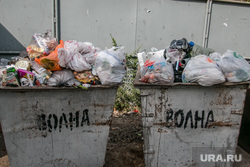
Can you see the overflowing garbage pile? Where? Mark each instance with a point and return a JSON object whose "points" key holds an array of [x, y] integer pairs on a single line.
{"points": [[67, 63], [185, 61]]}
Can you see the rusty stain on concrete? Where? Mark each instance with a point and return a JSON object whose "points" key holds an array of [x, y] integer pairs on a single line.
{"points": [[223, 99], [102, 123], [237, 112], [221, 124], [160, 130]]}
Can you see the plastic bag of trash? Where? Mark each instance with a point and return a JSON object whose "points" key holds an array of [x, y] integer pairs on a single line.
{"points": [[51, 62], [215, 57], [41, 44], [155, 54], [203, 70], [181, 44], [158, 71], [87, 77], [233, 65], [62, 78], [199, 50], [141, 60], [174, 55], [77, 56], [110, 65]]}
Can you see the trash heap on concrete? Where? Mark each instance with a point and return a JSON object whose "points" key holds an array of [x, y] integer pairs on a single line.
{"points": [[188, 62], [47, 62]]}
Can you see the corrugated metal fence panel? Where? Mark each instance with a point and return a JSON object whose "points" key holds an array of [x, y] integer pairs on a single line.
{"points": [[94, 21], [161, 21], [230, 25], [19, 20], [56, 127], [132, 23]]}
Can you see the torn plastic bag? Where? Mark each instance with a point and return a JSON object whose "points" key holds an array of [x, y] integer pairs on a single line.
{"points": [[158, 71], [41, 44], [110, 65], [203, 70], [233, 65], [62, 78], [77, 56]]}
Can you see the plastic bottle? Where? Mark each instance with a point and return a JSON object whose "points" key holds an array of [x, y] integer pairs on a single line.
{"points": [[40, 70]]}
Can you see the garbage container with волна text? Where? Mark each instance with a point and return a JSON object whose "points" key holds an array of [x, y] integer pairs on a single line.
{"points": [[49, 126], [186, 124]]}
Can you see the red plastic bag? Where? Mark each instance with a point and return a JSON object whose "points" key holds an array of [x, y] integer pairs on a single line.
{"points": [[50, 62]]}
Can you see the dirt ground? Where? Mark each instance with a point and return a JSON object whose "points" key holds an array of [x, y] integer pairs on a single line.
{"points": [[125, 143], [4, 161]]}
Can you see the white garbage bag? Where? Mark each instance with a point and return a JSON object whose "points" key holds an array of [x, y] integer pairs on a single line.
{"points": [[203, 70], [157, 71], [77, 56], [233, 65], [110, 65]]}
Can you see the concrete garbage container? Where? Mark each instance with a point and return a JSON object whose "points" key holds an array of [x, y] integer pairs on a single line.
{"points": [[184, 122], [47, 126]]}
